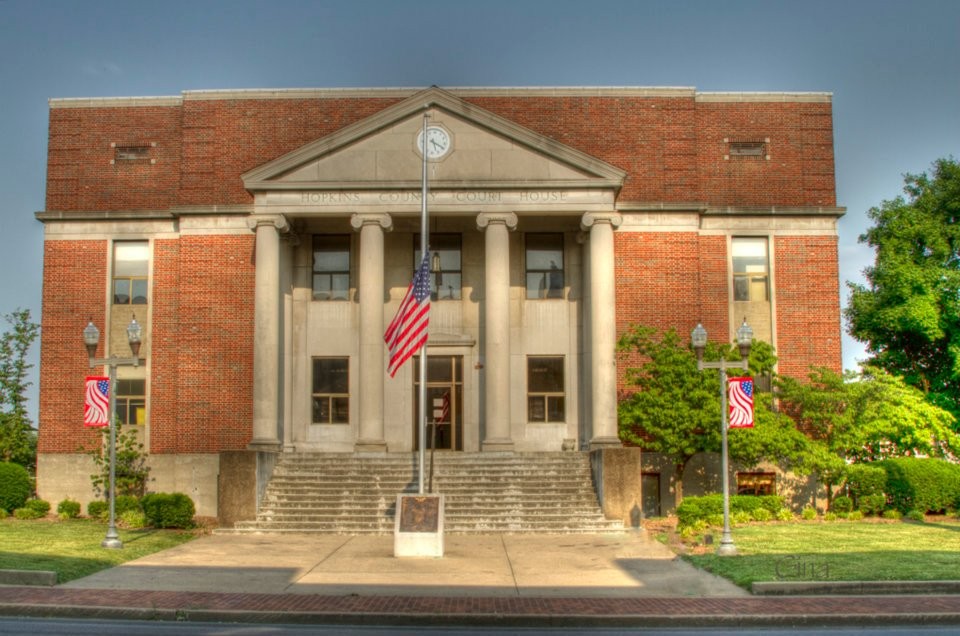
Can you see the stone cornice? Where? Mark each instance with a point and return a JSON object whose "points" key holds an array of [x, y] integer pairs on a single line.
{"points": [[830, 211], [170, 213]]}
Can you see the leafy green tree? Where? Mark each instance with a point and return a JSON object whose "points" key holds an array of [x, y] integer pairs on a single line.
{"points": [[131, 471], [908, 313], [18, 439], [675, 409]]}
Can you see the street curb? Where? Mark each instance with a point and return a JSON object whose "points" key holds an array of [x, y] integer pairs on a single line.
{"points": [[28, 577], [853, 588], [476, 620]]}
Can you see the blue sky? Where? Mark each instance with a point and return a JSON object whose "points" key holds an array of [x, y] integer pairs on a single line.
{"points": [[891, 66]]}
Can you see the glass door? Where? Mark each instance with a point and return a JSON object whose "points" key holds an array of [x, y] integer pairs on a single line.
{"points": [[444, 402]]}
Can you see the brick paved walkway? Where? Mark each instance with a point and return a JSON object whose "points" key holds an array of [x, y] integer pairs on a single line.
{"points": [[300, 608]]}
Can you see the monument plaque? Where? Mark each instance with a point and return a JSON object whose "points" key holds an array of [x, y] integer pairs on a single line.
{"points": [[418, 529]]}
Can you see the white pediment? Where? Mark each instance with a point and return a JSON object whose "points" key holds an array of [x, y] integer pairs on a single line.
{"points": [[381, 152]]}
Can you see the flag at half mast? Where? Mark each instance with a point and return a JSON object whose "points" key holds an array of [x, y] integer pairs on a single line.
{"points": [[408, 329]]}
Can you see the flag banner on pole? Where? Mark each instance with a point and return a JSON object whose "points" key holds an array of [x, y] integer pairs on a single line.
{"points": [[96, 402], [740, 397], [445, 408], [407, 331]]}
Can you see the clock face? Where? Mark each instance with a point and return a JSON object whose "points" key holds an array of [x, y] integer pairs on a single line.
{"points": [[438, 142]]}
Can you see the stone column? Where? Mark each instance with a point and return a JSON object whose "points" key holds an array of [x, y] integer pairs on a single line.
{"points": [[370, 288], [496, 316], [266, 332], [603, 328]]}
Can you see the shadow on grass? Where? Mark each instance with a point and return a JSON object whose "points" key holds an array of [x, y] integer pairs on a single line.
{"points": [[881, 565]]}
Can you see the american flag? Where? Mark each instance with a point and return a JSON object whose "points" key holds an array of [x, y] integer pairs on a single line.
{"points": [[408, 329], [445, 408], [96, 403], [740, 396]]}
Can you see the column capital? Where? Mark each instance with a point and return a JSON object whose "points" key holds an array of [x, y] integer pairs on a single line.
{"points": [[485, 219], [278, 221], [384, 220], [590, 219]]}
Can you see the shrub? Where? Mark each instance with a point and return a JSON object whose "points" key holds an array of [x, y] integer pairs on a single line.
{"points": [[829, 516], [856, 515], [39, 506], [873, 504], [133, 519], [928, 485], [741, 516], [131, 472], [27, 513], [98, 509], [864, 480], [893, 514], [15, 486], [916, 515], [714, 520], [809, 513], [841, 504], [693, 508], [3, 513], [761, 514], [68, 509], [169, 510], [786, 515], [125, 503]]}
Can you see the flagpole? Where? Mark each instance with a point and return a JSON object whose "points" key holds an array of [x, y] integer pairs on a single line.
{"points": [[424, 244]]}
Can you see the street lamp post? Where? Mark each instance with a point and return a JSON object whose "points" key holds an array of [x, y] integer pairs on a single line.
{"points": [[91, 337], [699, 340]]}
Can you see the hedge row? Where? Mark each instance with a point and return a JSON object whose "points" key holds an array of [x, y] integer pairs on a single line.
{"points": [[693, 509], [927, 485]]}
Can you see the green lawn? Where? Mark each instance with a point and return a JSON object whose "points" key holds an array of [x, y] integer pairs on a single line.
{"points": [[72, 548], [839, 551]]}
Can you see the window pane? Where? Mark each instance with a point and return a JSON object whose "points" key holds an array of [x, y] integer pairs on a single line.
{"points": [[331, 267], [544, 251], [121, 291], [130, 258], [545, 375], [330, 375], [321, 410], [341, 410], [536, 411], [555, 408], [445, 264], [139, 295]]}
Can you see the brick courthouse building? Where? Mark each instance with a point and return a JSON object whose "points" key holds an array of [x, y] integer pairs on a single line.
{"points": [[264, 240]]}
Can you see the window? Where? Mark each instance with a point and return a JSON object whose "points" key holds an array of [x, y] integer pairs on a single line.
{"points": [[131, 153], [750, 269], [130, 268], [544, 264], [545, 398], [747, 149], [331, 391], [132, 401], [756, 484], [445, 265], [331, 267]]}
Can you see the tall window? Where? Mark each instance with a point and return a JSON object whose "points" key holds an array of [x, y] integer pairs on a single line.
{"points": [[545, 397], [544, 262], [331, 390], [751, 269], [331, 267], [130, 268], [445, 265], [132, 401]]}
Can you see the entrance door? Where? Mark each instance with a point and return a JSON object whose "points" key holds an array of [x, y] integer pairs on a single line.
{"points": [[444, 402]]}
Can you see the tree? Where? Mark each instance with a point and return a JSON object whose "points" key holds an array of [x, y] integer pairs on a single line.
{"points": [[18, 440], [908, 313], [676, 408]]}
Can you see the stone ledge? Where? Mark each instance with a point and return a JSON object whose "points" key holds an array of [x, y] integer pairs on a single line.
{"points": [[28, 577], [853, 588]]}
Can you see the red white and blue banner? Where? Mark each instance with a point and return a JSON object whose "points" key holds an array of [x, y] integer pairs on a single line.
{"points": [[740, 399], [96, 402], [407, 331]]}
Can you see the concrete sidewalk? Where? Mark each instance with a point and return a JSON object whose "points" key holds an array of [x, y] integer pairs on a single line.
{"points": [[624, 580], [618, 565]]}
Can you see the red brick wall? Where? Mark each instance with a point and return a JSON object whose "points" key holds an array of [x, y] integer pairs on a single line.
{"points": [[202, 367], [671, 147], [808, 304], [80, 175], [669, 280], [74, 276]]}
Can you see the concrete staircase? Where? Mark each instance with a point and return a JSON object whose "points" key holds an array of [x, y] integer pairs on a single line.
{"points": [[340, 493]]}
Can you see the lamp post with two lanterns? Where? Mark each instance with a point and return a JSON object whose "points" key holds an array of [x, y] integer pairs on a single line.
{"points": [[91, 338], [744, 339]]}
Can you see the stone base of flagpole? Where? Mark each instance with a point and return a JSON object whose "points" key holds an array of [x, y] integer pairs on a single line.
{"points": [[418, 528]]}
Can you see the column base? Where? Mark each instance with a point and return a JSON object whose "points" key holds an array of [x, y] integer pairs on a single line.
{"points": [[497, 445], [605, 442], [265, 445], [370, 446]]}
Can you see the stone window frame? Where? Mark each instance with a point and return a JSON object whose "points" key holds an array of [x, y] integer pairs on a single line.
{"points": [[318, 395], [540, 398]]}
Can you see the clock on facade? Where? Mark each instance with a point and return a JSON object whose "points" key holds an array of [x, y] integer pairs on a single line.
{"points": [[438, 142]]}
